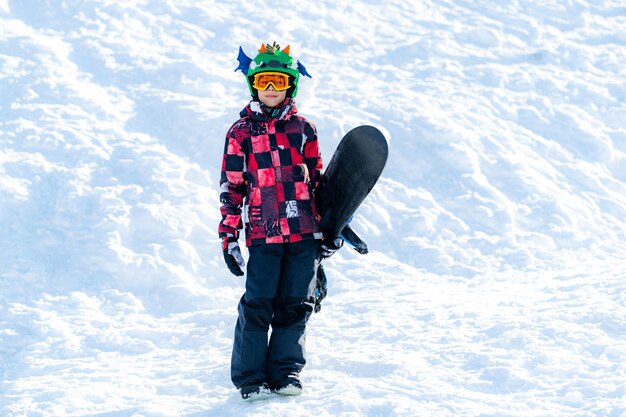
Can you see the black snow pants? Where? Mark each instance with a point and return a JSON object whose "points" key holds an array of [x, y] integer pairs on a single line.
{"points": [[280, 286]]}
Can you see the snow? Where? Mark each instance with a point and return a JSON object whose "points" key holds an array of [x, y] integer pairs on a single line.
{"points": [[496, 281]]}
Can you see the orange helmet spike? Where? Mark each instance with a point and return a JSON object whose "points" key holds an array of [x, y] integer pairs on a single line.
{"points": [[286, 50], [262, 50]]}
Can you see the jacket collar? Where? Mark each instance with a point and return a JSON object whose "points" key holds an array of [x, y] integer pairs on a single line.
{"points": [[254, 110]]}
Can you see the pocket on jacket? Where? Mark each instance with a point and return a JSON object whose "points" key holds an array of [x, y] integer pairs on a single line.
{"points": [[255, 216]]}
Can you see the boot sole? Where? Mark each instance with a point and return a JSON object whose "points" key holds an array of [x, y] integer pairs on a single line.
{"points": [[290, 390], [257, 397]]}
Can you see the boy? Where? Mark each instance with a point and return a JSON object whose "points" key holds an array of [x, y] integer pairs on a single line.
{"points": [[271, 158]]}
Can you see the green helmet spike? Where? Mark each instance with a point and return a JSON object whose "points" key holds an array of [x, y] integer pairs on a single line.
{"points": [[272, 58]]}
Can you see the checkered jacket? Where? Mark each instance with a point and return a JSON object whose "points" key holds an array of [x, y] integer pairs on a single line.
{"points": [[275, 164]]}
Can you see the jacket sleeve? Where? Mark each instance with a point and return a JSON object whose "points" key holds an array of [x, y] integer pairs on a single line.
{"points": [[233, 186], [312, 156]]}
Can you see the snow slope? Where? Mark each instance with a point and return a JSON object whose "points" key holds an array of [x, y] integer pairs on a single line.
{"points": [[496, 282]]}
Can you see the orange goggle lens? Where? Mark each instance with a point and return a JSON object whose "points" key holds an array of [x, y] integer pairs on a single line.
{"points": [[278, 80]]}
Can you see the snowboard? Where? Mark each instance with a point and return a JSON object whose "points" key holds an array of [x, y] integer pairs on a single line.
{"points": [[350, 175]]}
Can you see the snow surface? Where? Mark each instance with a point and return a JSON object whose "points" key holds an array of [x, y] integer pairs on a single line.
{"points": [[496, 282]]}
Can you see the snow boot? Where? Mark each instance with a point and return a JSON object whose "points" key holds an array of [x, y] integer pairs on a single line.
{"points": [[255, 391], [291, 385]]}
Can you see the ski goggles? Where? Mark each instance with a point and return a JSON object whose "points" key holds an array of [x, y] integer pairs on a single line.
{"points": [[278, 80]]}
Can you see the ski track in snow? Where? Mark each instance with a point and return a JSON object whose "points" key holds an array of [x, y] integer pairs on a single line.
{"points": [[496, 282]]}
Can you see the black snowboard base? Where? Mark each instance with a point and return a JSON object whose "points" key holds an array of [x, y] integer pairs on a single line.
{"points": [[351, 174]]}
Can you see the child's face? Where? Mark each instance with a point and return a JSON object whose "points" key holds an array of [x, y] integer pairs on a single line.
{"points": [[271, 97]]}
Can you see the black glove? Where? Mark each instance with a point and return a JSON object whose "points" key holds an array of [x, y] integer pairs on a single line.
{"points": [[329, 247], [232, 255]]}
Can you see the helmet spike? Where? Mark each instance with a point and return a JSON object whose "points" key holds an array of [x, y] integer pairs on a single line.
{"points": [[262, 49], [244, 61], [273, 48], [286, 50]]}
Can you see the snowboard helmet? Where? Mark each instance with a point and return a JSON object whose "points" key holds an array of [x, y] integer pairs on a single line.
{"points": [[271, 59]]}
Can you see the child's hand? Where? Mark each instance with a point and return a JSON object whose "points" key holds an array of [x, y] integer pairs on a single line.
{"points": [[329, 247], [232, 255]]}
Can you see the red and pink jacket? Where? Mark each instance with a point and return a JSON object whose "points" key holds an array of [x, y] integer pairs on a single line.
{"points": [[273, 161]]}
